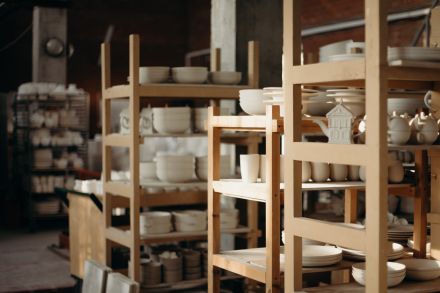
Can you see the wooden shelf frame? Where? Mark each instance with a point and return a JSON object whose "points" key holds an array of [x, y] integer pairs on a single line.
{"points": [[130, 194], [374, 73], [272, 125]]}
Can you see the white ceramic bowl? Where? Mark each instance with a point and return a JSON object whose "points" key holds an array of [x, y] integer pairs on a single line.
{"points": [[357, 108], [174, 176], [147, 170], [153, 74], [421, 269], [169, 126], [171, 112], [190, 74], [225, 77], [396, 273], [317, 108], [190, 216], [251, 101]]}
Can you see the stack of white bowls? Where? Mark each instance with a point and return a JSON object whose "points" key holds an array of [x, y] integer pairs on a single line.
{"points": [[202, 167], [225, 77], [251, 101], [172, 120], [190, 221], [229, 218], [395, 276], [352, 98], [421, 269], [276, 97], [200, 116], [333, 49], [147, 170], [318, 256], [396, 251], [153, 74], [316, 103], [155, 223], [175, 168], [43, 158], [190, 74]]}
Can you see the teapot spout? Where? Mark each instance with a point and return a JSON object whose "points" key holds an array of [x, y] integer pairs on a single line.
{"points": [[321, 124]]}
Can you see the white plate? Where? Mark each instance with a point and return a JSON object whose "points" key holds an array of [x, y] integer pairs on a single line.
{"points": [[345, 57]]}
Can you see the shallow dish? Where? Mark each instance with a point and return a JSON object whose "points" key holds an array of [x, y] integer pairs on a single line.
{"points": [[421, 269], [251, 101], [190, 75], [225, 77], [153, 74]]}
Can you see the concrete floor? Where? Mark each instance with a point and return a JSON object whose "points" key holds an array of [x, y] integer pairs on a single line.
{"points": [[27, 265]]}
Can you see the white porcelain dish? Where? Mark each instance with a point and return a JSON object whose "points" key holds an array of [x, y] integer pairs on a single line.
{"points": [[421, 269], [191, 75], [153, 74], [225, 77], [251, 101], [396, 273]]}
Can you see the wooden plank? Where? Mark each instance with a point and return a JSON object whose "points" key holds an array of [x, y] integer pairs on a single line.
{"points": [[253, 64], [117, 140], [376, 171], [117, 188], [240, 122], [348, 235], [177, 198], [330, 153], [414, 74], [433, 218], [200, 91], [328, 72], [213, 200], [119, 236], [239, 189], [242, 268], [134, 104], [350, 205], [273, 277], [252, 206], [215, 59], [117, 92], [416, 64], [420, 208]]}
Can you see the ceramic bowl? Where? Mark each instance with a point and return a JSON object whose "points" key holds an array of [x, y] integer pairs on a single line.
{"points": [[174, 176], [421, 269], [153, 74], [320, 171], [225, 77], [338, 172], [251, 101], [147, 170], [190, 74]]}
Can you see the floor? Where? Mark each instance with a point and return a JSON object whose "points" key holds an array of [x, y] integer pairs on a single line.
{"points": [[27, 265]]}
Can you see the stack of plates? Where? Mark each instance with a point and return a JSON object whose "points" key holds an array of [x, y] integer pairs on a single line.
{"points": [[229, 218], [400, 233], [396, 251], [47, 207], [316, 103], [200, 116], [190, 221], [414, 54], [410, 244], [43, 158], [318, 256], [352, 98], [155, 223], [421, 269], [396, 273]]}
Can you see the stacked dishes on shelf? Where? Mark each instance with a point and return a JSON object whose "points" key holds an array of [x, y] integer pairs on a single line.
{"points": [[172, 120], [275, 97], [316, 103], [192, 75], [153, 74], [192, 269], [172, 266], [400, 233], [333, 49], [414, 54], [202, 167], [175, 168], [42, 158], [421, 269], [47, 207], [318, 256], [396, 251], [190, 221], [155, 223], [200, 116], [396, 273], [151, 272], [229, 218], [352, 98]]}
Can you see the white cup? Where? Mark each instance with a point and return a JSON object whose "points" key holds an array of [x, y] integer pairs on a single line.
{"points": [[249, 167]]}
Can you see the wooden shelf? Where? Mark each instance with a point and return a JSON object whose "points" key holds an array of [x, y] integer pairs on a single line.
{"points": [[413, 147], [188, 236], [246, 123], [178, 198], [405, 287], [176, 90], [183, 285]]}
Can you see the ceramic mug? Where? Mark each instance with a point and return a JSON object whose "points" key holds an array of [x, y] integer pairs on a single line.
{"points": [[249, 167], [320, 171], [338, 172]]}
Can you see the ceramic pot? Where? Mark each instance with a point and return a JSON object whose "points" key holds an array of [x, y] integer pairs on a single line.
{"points": [[424, 129], [362, 173], [338, 172], [306, 171], [399, 130], [320, 171], [353, 173]]}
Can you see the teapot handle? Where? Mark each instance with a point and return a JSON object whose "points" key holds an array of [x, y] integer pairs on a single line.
{"points": [[427, 99]]}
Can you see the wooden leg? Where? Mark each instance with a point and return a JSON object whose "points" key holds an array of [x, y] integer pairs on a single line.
{"points": [[340, 277], [434, 156], [420, 218], [350, 200]]}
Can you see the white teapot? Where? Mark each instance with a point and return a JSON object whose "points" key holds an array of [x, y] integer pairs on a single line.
{"points": [[399, 130], [424, 129]]}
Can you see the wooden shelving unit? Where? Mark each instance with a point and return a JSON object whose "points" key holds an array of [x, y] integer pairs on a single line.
{"points": [[130, 193], [376, 75], [269, 192]]}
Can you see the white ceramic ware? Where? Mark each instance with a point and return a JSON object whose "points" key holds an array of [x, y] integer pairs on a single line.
{"points": [[147, 170], [421, 269], [306, 172], [338, 172], [424, 129], [395, 273], [249, 167], [153, 74], [362, 173], [194, 75], [225, 77], [399, 130], [320, 171], [172, 120], [251, 101], [353, 173]]}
